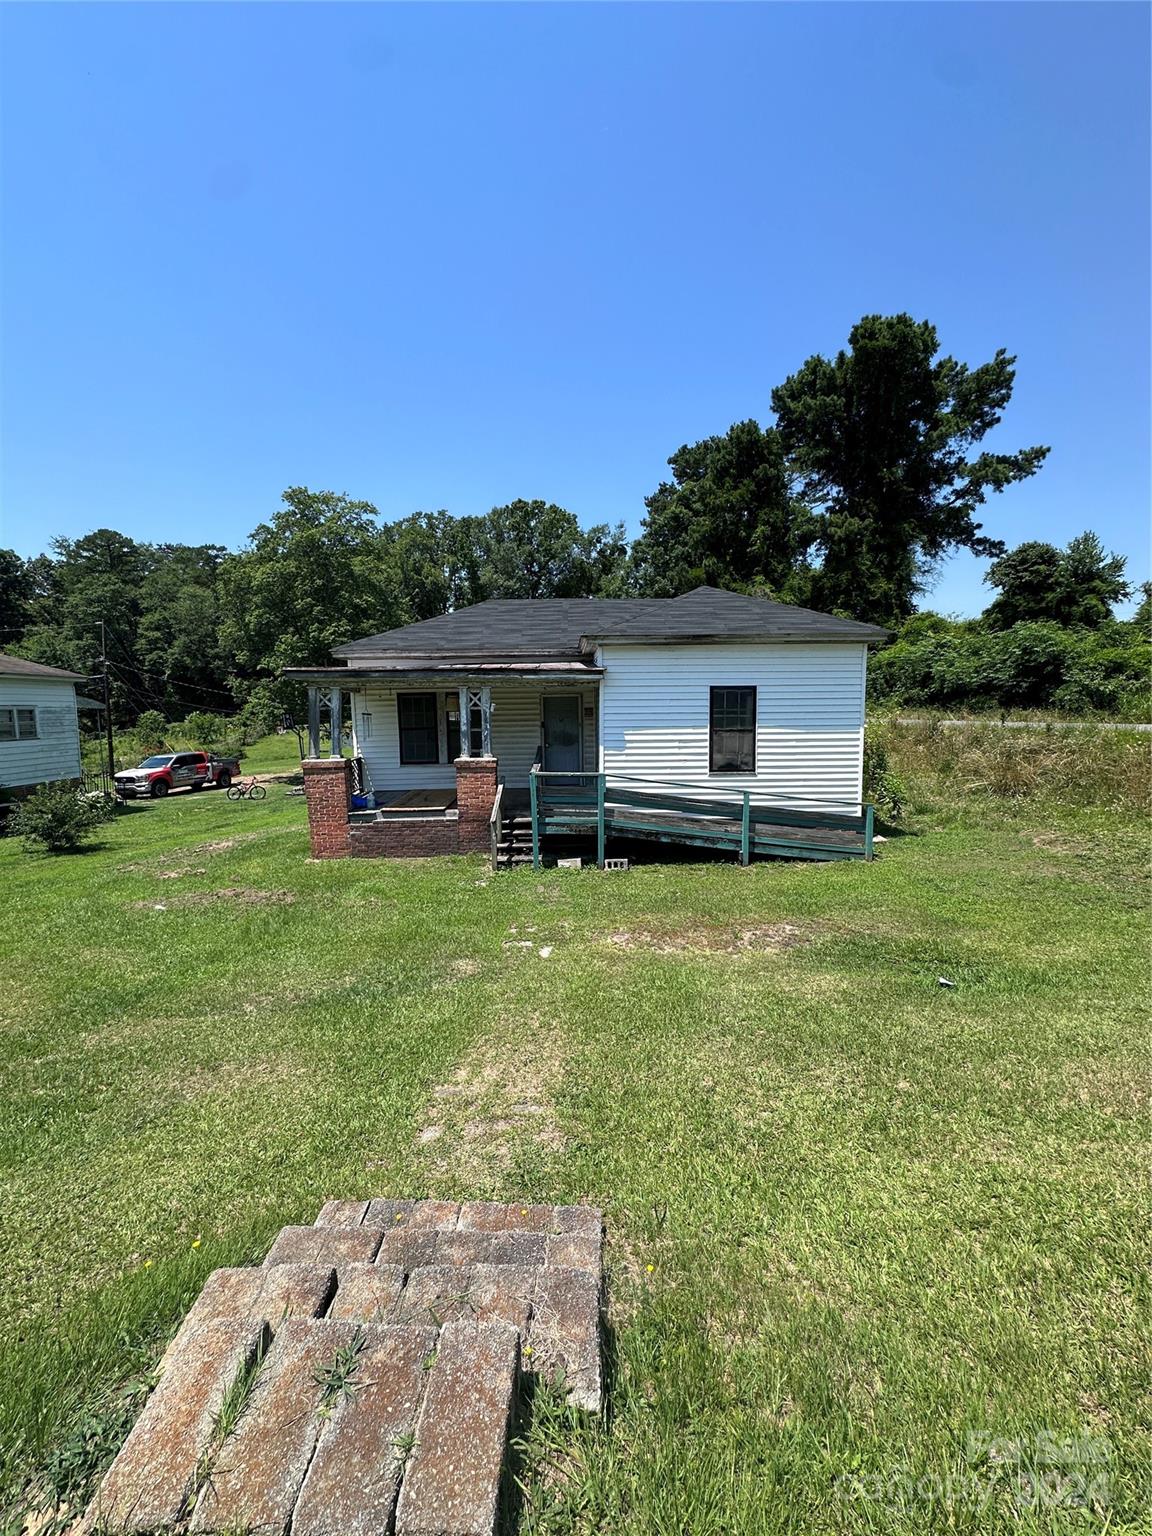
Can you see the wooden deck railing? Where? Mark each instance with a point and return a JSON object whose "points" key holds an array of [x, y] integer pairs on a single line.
{"points": [[679, 811]]}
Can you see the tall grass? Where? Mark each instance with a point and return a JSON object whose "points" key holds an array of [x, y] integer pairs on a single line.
{"points": [[1077, 767]]}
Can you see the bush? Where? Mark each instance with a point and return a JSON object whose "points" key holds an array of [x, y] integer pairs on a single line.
{"points": [[150, 732], [59, 817], [881, 785], [203, 728], [1036, 665]]}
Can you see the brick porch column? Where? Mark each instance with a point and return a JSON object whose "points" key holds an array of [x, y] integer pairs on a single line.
{"points": [[475, 796], [328, 792]]}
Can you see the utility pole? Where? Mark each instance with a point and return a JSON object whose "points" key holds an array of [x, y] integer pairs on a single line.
{"points": [[107, 705]]}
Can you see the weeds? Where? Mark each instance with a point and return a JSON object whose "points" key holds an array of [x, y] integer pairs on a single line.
{"points": [[335, 1379], [1057, 765]]}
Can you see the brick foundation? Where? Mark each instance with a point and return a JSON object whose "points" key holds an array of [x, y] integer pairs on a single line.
{"points": [[328, 791], [404, 837], [475, 797]]}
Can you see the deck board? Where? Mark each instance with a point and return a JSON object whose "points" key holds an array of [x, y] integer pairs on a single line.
{"points": [[416, 800]]}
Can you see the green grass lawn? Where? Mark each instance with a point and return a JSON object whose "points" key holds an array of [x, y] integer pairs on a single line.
{"points": [[855, 1219]]}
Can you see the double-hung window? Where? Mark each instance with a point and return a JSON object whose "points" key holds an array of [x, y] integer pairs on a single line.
{"points": [[732, 730], [18, 725], [419, 732]]}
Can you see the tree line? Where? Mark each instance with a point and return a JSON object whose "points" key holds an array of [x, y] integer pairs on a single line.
{"points": [[869, 475]]}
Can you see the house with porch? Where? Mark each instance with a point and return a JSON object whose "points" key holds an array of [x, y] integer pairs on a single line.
{"points": [[714, 719]]}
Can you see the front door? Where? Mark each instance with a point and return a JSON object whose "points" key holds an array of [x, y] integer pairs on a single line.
{"points": [[562, 753]]}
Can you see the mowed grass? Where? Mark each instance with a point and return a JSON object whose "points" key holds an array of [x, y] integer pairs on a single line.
{"points": [[854, 1218]]}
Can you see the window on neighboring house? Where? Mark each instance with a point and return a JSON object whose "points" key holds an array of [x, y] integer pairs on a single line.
{"points": [[732, 730], [18, 725], [419, 735]]}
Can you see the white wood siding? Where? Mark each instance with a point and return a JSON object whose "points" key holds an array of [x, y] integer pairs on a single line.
{"points": [[516, 713], [809, 715], [55, 753]]}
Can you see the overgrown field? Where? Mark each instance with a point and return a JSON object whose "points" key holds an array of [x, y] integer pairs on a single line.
{"points": [[876, 1245]]}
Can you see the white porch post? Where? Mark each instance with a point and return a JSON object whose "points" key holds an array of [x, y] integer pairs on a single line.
{"points": [[480, 699], [313, 720], [336, 713]]}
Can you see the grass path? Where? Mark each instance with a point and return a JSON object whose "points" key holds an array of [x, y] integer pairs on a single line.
{"points": [[854, 1217]]}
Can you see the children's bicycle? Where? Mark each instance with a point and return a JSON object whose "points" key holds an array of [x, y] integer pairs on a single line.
{"points": [[249, 790]]}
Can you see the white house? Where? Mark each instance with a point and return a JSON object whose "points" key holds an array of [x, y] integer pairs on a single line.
{"points": [[39, 730], [709, 699]]}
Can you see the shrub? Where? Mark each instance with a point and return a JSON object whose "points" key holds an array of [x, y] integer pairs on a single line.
{"points": [[882, 786], [203, 728], [59, 817], [150, 732]]}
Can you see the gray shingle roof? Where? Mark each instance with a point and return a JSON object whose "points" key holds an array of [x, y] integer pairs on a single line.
{"points": [[16, 666], [558, 626]]}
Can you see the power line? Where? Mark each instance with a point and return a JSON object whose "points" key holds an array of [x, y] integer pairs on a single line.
{"points": [[164, 677]]}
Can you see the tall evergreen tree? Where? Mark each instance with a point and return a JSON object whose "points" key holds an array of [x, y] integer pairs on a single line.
{"points": [[881, 440]]}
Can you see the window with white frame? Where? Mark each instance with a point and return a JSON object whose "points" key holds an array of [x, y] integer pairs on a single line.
{"points": [[19, 725]]}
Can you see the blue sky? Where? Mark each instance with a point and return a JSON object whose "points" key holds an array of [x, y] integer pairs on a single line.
{"points": [[448, 255]]}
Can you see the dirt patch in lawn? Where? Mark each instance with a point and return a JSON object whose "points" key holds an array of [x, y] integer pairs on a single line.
{"points": [[496, 1110], [243, 895], [707, 938]]}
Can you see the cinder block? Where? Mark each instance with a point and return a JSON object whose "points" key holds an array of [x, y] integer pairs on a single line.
{"points": [[351, 1486], [367, 1293], [148, 1485], [257, 1474], [452, 1479], [324, 1245], [564, 1334]]}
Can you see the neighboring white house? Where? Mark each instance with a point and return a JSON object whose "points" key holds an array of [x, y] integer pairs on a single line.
{"points": [[39, 730], [709, 693]]}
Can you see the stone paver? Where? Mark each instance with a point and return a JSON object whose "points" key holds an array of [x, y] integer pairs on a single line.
{"points": [[324, 1245], [256, 1476], [564, 1334], [435, 1306], [452, 1479], [437, 1294], [285, 1290], [367, 1293], [490, 1247], [502, 1293], [155, 1473], [574, 1250], [342, 1213], [408, 1249], [351, 1486]]}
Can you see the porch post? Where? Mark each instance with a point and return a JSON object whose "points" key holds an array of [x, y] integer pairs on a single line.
{"points": [[481, 699], [313, 720], [336, 713]]}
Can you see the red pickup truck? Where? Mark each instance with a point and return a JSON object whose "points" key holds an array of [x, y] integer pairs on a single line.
{"points": [[156, 776]]}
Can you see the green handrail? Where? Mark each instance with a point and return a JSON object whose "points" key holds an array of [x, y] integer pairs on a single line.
{"points": [[746, 829], [600, 820], [532, 793], [869, 817]]}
